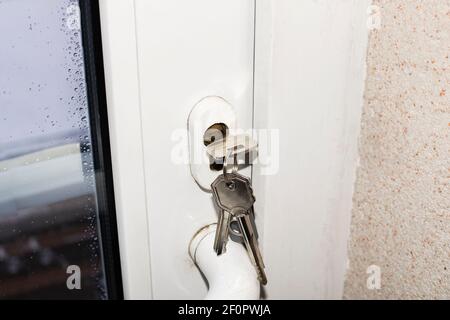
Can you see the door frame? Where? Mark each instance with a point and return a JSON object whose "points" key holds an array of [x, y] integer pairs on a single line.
{"points": [[118, 31]]}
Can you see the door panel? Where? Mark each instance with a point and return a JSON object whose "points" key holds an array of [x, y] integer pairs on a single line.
{"points": [[187, 50]]}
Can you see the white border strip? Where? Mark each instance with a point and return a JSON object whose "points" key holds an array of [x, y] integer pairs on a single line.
{"points": [[122, 88]]}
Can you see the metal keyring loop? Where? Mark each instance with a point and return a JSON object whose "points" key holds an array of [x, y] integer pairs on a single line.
{"points": [[235, 161], [235, 232], [235, 167], [225, 174]]}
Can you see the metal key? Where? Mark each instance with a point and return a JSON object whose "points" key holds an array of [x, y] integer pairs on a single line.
{"points": [[231, 146], [242, 148], [251, 244], [233, 194], [222, 232]]}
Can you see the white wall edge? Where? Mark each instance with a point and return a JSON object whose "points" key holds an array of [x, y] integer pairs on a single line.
{"points": [[309, 82]]}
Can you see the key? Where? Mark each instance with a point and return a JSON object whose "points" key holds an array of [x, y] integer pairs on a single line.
{"points": [[234, 195], [231, 146], [251, 244]]}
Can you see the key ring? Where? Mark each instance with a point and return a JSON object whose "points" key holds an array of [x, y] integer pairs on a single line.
{"points": [[234, 231], [235, 164]]}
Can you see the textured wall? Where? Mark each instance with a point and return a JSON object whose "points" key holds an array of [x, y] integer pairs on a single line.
{"points": [[401, 206]]}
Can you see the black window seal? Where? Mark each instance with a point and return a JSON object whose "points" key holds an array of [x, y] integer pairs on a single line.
{"points": [[96, 94]]}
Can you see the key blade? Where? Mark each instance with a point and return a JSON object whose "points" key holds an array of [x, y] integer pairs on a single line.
{"points": [[252, 247], [222, 232]]}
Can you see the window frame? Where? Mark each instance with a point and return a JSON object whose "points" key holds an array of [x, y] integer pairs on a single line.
{"points": [[96, 94]]}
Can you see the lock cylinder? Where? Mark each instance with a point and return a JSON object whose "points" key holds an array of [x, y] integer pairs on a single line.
{"points": [[210, 120]]}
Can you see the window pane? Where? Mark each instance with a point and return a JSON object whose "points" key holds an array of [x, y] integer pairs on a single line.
{"points": [[49, 221]]}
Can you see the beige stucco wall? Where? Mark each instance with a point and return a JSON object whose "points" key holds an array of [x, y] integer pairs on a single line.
{"points": [[401, 205]]}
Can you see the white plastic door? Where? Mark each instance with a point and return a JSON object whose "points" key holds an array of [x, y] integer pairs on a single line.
{"points": [[162, 57]]}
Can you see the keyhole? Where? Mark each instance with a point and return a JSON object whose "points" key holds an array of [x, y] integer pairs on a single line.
{"points": [[215, 132]]}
